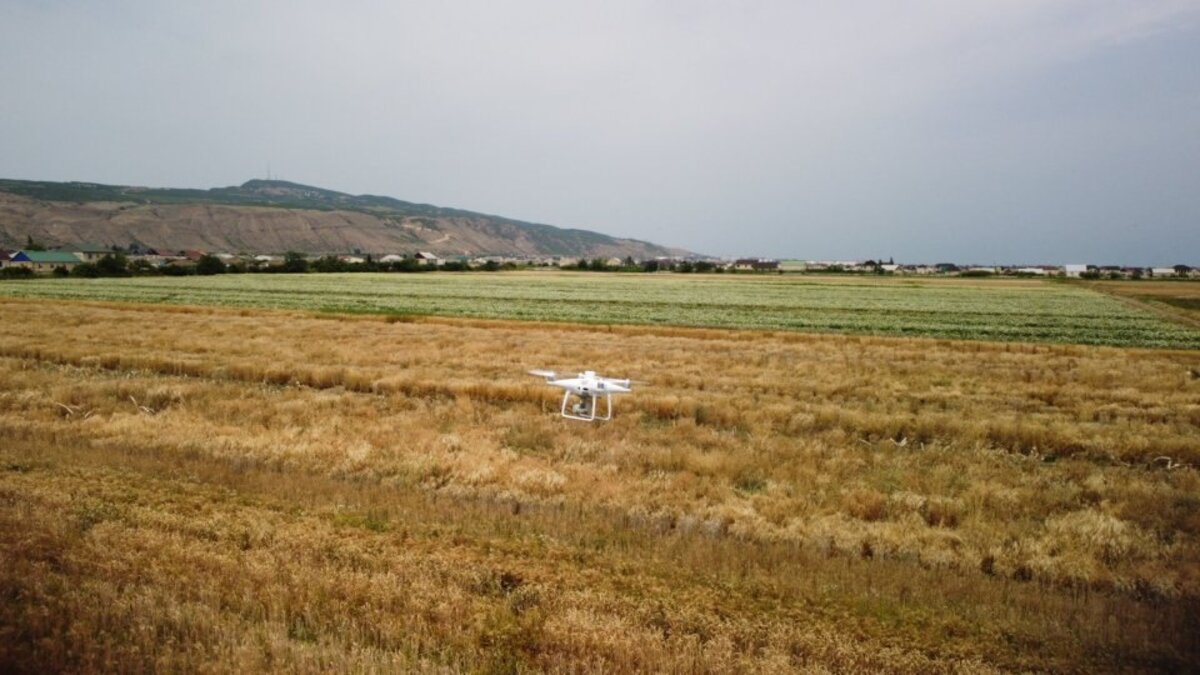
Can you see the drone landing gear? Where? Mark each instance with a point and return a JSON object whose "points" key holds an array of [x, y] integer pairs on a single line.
{"points": [[586, 407]]}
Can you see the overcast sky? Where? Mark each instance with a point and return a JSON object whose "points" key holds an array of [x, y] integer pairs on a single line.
{"points": [[964, 130]]}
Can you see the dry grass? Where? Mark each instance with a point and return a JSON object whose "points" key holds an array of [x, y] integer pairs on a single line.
{"points": [[186, 488]]}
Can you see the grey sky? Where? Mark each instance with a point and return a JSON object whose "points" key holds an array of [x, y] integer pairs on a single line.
{"points": [[966, 130]]}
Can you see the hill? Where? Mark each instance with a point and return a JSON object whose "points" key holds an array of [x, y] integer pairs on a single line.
{"points": [[272, 216]]}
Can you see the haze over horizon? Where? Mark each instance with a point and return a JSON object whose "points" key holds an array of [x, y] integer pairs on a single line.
{"points": [[985, 132]]}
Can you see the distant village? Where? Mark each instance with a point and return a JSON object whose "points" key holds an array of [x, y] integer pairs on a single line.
{"points": [[89, 259]]}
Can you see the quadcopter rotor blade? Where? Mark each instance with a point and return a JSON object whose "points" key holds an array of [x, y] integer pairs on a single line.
{"points": [[548, 374], [624, 381]]}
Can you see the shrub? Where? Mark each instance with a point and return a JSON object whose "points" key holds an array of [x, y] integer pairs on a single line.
{"points": [[16, 273], [177, 270], [85, 271]]}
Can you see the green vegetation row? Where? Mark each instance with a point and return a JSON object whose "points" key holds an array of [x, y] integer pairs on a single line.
{"points": [[1039, 312]]}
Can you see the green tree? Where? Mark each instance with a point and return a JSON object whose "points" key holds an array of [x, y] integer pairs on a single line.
{"points": [[86, 271], [406, 265], [113, 265], [210, 264], [329, 263], [295, 262]]}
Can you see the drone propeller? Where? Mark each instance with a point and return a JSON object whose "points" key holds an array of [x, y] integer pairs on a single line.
{"points": [[626, 381], [617, 381], [621, 382]]}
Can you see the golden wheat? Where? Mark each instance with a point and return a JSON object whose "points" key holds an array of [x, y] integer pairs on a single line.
{"points": [[278, 490]]}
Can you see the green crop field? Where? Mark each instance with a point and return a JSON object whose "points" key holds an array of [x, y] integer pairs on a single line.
{"points": [[984, 310]]}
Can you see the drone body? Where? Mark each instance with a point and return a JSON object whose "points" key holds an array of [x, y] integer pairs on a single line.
{"points": [[588, 389]]}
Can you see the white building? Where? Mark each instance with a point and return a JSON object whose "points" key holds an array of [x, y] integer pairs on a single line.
{"points": [[1074, 270]]}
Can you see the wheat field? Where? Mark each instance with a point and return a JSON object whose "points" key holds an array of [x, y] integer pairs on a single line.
{"points": [[1000, 309], [196, 489]]}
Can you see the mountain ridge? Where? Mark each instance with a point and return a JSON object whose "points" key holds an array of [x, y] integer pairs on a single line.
{"points": [[273, 216]]}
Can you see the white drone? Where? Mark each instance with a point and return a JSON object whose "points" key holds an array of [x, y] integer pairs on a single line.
{"points": [[588, 388]]}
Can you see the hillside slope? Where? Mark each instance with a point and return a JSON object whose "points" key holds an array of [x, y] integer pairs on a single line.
{"points": [[275, 216]]}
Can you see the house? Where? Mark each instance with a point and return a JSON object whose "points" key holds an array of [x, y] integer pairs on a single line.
{"points": [[920, 269], [1112, 272], [136, 250], [427, 258], [1075, 270], [87, 251], [1162, 271], [44, 261], [146, 254], [755, 264], [4, 258], [178, 264], [391, 258], [352, 259]]}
